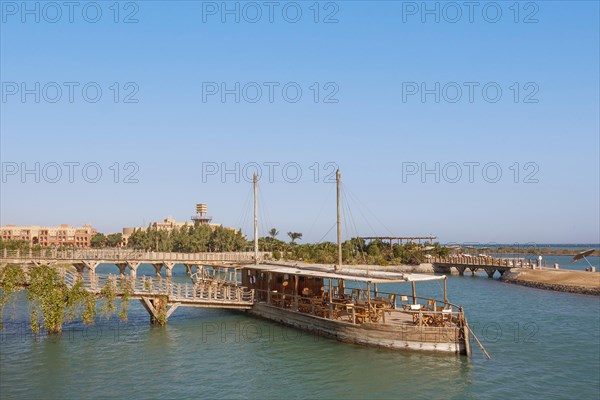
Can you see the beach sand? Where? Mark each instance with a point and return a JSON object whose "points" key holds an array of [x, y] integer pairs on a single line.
{"points": [[562, 280]]}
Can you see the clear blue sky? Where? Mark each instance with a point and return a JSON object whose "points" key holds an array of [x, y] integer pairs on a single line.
{"points": [[373, 61]]}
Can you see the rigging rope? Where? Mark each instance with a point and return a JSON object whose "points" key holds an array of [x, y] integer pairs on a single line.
{"points": [[355, 197], [347, 203], [333, 226], [325, 201], [244, 218], [262, 211]]}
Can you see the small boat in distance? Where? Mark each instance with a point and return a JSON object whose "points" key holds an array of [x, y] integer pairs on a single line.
{"points": [[347, 305]]}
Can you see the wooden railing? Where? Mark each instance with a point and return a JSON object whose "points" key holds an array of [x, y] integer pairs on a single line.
{"points": [[129, 255], [432, 312], [202, 292], [484, 261]]}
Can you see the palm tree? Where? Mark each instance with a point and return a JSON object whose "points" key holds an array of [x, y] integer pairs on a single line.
{"points": [[294, 236], [273, 232]]}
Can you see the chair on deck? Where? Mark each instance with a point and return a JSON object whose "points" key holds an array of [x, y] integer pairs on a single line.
{"points": [[322, 311], [275, 298], [392, 301], [431, 305], [416, 310], [361, 314], [318, 307], [304, 305], [375, 313], [404, 301], [343, 310], [429, 319], [446, 317]]}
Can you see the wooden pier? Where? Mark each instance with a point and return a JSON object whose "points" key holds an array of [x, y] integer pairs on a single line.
{"points": [[489, 264], [161, 296], [87, 260]]}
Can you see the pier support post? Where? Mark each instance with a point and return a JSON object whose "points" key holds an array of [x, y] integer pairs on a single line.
{"points": [[169, 268], [157, 267], [157, 308], [122, 268], [133, 266], [91, 265], [461, 270], [80, 267], [490, 272]]}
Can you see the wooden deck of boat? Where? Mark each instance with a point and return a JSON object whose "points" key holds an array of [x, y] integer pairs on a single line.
{"points": [[402, 319], [397, 317], [394, 318]]}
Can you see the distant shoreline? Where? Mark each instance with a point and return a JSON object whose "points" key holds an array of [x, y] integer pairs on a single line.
{"points": [[539, 251]]}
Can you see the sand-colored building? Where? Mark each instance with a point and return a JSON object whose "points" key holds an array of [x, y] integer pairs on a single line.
{"points": [[62, 235]]}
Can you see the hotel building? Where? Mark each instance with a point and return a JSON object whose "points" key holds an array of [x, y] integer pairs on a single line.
{"points": [[62, 235]]}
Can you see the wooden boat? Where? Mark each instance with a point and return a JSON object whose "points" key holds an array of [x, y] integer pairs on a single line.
{"points": [[347, 304], [351, 309]]}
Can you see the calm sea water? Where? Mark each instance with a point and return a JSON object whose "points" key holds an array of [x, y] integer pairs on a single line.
{"points": [[544, 345]]}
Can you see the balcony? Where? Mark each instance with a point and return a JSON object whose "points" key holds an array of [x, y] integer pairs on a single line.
{"points": [[201, 218]]}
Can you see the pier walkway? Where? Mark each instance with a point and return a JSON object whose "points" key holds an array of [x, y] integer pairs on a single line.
{"points": [[161, 297], [474, 263], [203, 294], [126, 259]]}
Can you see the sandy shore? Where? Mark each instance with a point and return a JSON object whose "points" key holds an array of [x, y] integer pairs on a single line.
{"points": [[561, 280]]}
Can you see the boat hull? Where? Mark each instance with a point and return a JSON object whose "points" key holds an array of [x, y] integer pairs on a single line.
{"points": [[390, 336]]}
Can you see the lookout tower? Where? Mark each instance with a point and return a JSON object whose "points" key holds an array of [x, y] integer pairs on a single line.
{"points": [[201, 217]]}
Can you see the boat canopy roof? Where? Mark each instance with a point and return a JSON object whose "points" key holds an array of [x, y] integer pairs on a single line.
{"points": [[347, 274]]}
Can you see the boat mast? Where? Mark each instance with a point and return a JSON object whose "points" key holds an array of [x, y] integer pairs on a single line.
{"points": [[339, 219], [255, 219]]}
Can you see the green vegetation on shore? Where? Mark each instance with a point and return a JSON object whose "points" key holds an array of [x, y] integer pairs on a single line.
{"points": [[110, 240], [354, 251], [188, 239], [22, 245]]}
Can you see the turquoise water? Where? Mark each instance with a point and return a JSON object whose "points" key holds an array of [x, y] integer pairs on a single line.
{"points": [[543, 345]]}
